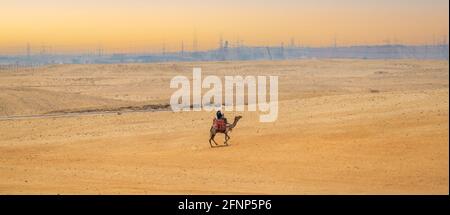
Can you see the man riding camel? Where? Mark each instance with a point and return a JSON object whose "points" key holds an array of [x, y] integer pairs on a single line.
{"points": [[220, 115], [220, 125]]}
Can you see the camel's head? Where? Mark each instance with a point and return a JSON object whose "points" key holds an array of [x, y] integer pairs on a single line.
{"points": [[236, 119]]}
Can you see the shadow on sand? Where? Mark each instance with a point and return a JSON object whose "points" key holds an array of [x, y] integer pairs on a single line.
{"points": [[220, 146]]}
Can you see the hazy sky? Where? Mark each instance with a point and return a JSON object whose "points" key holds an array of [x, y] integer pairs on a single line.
{"points": [[139, 24]]}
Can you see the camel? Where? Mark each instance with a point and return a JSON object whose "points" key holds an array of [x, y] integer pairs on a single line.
{"points": [[229, 128]]}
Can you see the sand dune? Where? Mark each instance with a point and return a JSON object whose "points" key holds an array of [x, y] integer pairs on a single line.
{"points": [[344, 127], [28, 101]]}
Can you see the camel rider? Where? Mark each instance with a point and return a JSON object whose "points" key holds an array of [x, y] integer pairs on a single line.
{"points": [[220, 115]]}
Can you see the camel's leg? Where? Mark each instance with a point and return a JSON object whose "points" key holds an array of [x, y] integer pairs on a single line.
{"points": [[226, 138], [210, 138], [214, 140], [212, 135]]}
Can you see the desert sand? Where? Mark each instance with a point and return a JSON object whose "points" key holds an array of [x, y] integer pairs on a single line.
{"points": [[344, 127]]}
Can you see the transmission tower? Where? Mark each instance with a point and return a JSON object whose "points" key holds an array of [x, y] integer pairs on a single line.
{"points": [[195, 42], [182, 48]]}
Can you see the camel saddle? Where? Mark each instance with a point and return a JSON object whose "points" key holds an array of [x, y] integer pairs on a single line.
{"points": [[219, 125]]}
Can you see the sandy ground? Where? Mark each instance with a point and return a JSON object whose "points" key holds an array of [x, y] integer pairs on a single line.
{"points": [[344, 127]]}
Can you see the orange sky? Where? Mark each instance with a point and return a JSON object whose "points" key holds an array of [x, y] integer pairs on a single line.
{"points": [[147, 25]]}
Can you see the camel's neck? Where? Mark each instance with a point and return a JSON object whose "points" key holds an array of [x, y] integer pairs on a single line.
{"points": [[234, 122]]}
